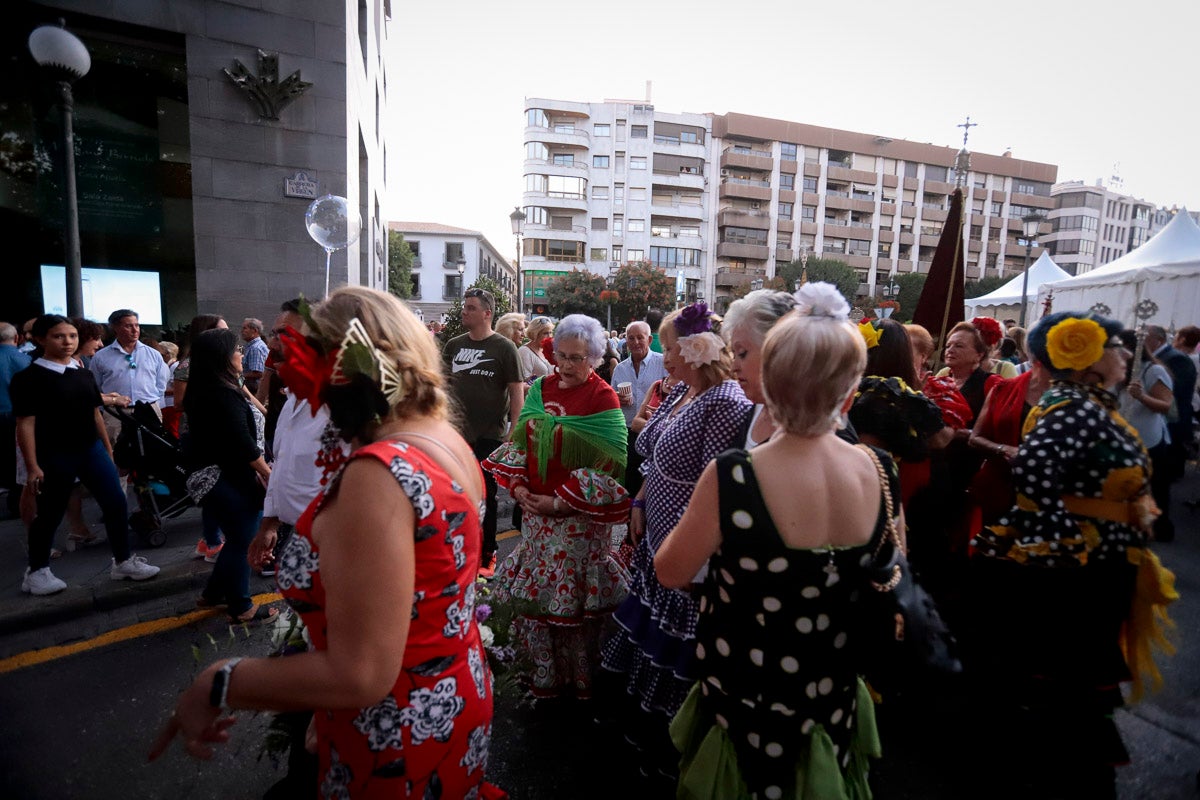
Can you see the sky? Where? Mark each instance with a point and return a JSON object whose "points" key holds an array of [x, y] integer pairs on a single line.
{"points": [[1094, 90]]}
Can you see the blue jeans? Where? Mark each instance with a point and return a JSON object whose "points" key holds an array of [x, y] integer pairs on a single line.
{"points": [[96, 471], [212, 530], [235, 508]]}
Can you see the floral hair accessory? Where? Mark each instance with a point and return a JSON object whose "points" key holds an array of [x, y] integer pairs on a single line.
{"points": [[870, 332], [693, 319], [1075, 343], [701, 348], [305, 368], [358, 355], [989, 329], [820, 299]]}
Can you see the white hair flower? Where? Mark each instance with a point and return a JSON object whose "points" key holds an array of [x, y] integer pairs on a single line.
{"points": [[700, 348], [822, 300]]}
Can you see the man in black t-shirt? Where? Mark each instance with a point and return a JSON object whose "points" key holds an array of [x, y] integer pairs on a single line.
{"points": [[485, 380]]}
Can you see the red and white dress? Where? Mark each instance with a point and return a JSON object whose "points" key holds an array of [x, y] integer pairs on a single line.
{"points": [[563, 566], [429, 737]]}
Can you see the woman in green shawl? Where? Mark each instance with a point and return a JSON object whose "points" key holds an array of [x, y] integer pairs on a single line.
{"points": [[567, 449]]}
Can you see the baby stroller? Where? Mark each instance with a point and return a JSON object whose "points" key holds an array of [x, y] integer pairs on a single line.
{"points": [[155, 464]]}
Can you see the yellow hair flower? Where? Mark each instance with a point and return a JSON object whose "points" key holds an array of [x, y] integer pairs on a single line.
{"points": [[1075, 343], [870, 334]]}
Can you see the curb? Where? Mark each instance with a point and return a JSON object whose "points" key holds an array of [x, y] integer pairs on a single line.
{"points": [[31, 613]]}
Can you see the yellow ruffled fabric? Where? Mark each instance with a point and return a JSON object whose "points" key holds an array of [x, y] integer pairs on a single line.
{"points": [[1146, 628]]}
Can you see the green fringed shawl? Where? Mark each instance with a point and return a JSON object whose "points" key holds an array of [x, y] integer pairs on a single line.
{"points": [[596, 440]]}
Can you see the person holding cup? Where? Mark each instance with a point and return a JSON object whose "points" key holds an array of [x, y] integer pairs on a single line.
{"points": [[632, 378]]}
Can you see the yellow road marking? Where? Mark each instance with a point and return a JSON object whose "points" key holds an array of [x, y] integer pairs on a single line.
{"points": [[32, 657], [500, 537]]}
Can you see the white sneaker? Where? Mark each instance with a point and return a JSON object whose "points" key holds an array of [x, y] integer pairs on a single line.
{"points": [[133, 568], [43, 581]]}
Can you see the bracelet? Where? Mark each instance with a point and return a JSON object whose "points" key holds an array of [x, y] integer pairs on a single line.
{"points": [[557, 506], [636, 503]]}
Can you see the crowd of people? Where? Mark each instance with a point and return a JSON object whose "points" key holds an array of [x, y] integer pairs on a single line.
{"points": [[698, 502]]}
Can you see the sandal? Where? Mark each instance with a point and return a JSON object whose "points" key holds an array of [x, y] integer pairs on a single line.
{"points": [[255, 615], [55, 552]]}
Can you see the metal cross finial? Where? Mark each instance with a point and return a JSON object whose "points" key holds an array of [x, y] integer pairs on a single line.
{"points": [[966, 126]]}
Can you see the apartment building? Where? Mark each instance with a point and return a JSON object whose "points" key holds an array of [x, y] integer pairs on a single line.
{"points": [[718, 201], [1093, 225], [445, 260]]}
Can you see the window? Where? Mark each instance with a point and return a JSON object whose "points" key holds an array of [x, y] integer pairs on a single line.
{"points": [[637, 226], [620, 130], [1032, 187], [454, 251], [598, 254], [810, 184], [600, 162], [535, 183], [572, 188], [996, 208], [636, 193], [536, 150], [785, 210], [1078, 200], [910, 169], [599, 223], [671, 257], [689, 230], [638, 132], [787, 181], [619, 193], [858, 247], [600, 131], [616, 254], [452, 288], [637, 162], [564, 159], [885, 249], [564, 127], [535, 215], [620, 161], [659, 229], [618, 226], [599, 192], [787, 151], [835, 246], [933, 173], [555, 250], [536, 118], [637, 255], [736, 235], [808, 213], [689, 137]]}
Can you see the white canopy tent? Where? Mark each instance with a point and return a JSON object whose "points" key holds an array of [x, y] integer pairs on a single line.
{"points": [[1165, 270], [1005, 302]]}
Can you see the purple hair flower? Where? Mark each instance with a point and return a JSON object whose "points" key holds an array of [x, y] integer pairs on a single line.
{"points": [[482, 612], [693, 319]]}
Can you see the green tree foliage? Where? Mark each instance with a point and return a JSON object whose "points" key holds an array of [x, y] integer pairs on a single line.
{"points": [[576, 292], [983, 286], [400, 259], [827, 270], [640, 285], [454, 315], [911, 284]]}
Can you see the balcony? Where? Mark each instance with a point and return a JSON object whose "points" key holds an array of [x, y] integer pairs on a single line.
{"points": [[747, 159], [728, 278], [577, 138], [677, 210], [753, 252], [574, 233], [742, 187], [569, 201], [543, 166], [759, 220]]}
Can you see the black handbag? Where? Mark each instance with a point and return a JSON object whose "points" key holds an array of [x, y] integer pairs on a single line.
{"points": [[905, 638]]}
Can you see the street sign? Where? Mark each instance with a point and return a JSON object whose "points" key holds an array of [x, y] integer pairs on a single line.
{"points": [[300, 185]]}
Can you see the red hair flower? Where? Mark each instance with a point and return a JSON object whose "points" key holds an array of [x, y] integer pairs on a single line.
{"points": [[305, 370], [989, 329]]}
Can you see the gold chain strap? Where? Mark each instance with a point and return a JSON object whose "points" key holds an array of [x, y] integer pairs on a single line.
{"points": [[886, 487]]}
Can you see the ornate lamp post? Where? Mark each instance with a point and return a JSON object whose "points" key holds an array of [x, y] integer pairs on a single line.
{"points": [[517, 218], [803, 265], [65, 59], [1029, 226], [610, 296], [461, 263]]}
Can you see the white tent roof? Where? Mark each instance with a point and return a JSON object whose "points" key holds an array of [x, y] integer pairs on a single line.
{"points": [[1165, 270], [1042, 271]]}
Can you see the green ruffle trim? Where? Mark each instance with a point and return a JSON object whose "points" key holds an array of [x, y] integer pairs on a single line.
{"points": [[708, 768]]}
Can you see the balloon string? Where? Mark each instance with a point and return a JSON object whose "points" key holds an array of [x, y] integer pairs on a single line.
{"points": [[328, 255]]}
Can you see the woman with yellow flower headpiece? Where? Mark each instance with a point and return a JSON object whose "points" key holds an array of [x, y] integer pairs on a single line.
{"points": [[1066, 597]]}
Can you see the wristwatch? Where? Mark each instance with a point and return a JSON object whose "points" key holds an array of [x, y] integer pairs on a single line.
{"points": [[219, 693]]}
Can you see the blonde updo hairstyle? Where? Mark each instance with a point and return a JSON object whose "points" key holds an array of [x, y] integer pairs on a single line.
{"points": [[507, 325], [810, 366], [713, 373], [401, 338]]}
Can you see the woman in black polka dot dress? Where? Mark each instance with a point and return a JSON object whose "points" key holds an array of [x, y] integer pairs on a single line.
{"points": [[1056, 583], [779, 709]]}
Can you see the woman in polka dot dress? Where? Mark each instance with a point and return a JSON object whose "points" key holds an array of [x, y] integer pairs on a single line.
{"points": [[1064, 588], [779, 709], [701, 417]]}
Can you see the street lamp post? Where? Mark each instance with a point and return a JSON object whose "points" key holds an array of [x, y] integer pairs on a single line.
{"points": [[65, 59], [517, 218], [461, 263], [803, 265], [1029, 226]]}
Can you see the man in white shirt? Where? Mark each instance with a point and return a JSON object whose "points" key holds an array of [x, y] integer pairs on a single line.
{"points": [[640, 371], [129, 368]]}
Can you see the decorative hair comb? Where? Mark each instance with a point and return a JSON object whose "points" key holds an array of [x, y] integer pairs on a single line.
{"points": [[358, 355]]}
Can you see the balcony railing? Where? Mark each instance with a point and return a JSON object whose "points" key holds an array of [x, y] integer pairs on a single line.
{"points": [[746, 182], [836, 193], [746, 151]]}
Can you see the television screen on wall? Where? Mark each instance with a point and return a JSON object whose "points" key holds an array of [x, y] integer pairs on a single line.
{"points": [[104, 291]]}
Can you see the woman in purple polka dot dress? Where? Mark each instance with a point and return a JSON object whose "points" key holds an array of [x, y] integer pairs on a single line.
{"points": [[654, 651], [778, 709]]}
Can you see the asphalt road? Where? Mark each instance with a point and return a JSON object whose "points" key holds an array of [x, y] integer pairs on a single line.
{"points": [[79, 726]]}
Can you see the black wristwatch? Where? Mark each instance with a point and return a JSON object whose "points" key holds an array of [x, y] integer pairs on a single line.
{"points": [[219, 693]]}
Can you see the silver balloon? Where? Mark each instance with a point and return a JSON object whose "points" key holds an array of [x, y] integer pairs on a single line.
{"points": [[332, 222]]}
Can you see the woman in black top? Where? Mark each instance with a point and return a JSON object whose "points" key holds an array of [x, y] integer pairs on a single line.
{"points": [[62, 437], [221, 434]]}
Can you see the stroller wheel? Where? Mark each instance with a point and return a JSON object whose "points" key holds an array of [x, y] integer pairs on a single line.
{"points": [[156, 537]]}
